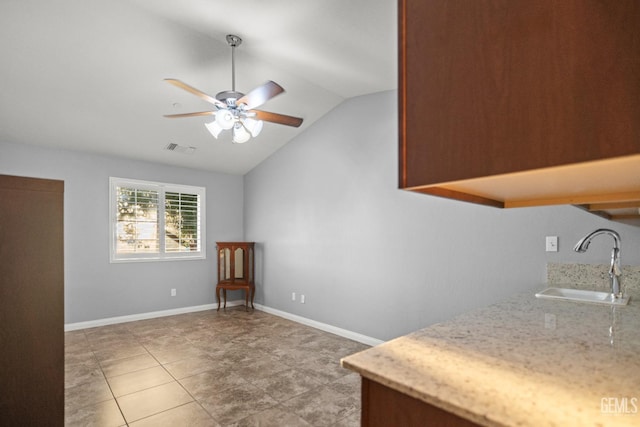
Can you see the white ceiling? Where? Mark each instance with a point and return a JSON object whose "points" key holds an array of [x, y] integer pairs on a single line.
{"points": [[88, 74]]}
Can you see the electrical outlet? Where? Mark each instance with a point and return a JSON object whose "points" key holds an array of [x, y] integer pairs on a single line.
{"points": [[552, 243], [173, 292], [293, 296], [301, 299]]}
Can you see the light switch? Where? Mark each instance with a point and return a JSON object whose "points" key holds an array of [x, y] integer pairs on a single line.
{"points": [[552, 243]]}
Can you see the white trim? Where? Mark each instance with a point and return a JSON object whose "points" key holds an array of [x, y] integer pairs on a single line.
{"points": [[143, 316], [364, 339]]}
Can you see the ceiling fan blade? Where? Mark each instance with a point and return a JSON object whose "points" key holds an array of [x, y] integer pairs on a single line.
{"points": [[260, 95], [280, 119], [200, 113], [196, 92]]}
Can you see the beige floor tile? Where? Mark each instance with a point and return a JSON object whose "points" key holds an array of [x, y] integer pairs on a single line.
{"points": [[351, 420], [103, 414], [273, 417], [212, 382], [261, 368], [179, 352], [79, 355], [237, 365], [115, 352], [323, 368], [116, 367], [80, 374], [191, 366], [74, 337], [349, 385], [151, 401], [102, 341], [322, 407], [191, 415], [100, 331], [286, 384], [164, 342], [236, 403], [139, 380], [94, 391]]}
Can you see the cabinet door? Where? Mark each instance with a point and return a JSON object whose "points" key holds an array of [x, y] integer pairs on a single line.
{"points": [[31, 302], [490, 86]]}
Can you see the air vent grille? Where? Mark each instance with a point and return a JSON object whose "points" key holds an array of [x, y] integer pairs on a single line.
{"points": [[180, 148]]}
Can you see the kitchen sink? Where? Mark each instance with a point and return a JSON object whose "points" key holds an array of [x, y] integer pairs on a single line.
{"points": [[582, 295]]}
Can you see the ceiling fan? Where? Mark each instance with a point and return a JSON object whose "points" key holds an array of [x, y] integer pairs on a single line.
{"points": [[235, 110]]}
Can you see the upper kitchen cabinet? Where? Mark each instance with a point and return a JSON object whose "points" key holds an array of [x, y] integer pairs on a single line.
{"points": [[521, 103]]}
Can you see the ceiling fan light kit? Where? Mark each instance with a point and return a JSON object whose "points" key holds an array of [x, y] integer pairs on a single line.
{"points": [[225, 119], [235, 110], [214, 128], [253, 126]]}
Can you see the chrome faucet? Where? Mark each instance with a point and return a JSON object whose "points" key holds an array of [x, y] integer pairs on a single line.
{"points": [[615, 272]]}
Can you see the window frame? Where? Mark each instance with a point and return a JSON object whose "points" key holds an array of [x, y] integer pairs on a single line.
{"points": [[162, 188]]}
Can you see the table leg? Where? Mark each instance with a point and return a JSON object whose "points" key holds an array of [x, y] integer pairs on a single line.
{"points": [[218, 297]]}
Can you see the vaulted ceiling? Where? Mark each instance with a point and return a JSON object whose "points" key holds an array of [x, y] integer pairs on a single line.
{"points": [[88, 74]]}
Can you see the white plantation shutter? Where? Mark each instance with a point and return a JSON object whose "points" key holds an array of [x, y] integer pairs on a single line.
{"points": [[182, 222], [156, 221], [136, 221]]}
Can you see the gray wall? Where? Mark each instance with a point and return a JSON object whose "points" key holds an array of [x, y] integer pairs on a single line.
{"points": [[332, 225], [96, 289]]}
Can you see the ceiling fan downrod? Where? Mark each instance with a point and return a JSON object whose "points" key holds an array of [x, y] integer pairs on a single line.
{"points": [[233, 41]]}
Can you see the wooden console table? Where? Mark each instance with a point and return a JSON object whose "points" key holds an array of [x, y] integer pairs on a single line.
{"points": [[236, 264]]}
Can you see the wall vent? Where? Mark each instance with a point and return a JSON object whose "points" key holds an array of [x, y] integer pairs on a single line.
{"points": [[180, 148]]}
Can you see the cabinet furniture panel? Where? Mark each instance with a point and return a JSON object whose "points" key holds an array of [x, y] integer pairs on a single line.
{"points": [[496, 88], [31, 301], [383, 407], [236, 265]]}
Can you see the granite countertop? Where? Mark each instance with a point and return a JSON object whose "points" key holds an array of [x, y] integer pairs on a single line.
{"points": [[521, 362]]}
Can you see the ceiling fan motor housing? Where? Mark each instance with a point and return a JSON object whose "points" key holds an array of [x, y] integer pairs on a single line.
{"points": [[229, 97]]}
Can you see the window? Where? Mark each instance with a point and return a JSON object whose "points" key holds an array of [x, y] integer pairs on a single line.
{"points": [[152, 221]]}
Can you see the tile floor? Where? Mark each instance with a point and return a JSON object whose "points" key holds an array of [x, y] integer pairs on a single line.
{"points": [[227, 368]]}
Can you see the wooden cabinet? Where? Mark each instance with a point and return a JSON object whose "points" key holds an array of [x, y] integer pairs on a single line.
{"points": [[236, 264], [520, 103], [384, 407], [31, 302]]}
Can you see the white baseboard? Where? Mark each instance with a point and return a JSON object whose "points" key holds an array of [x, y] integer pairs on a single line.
{"points": [[364, 339], [142, 316], [153, 314]]}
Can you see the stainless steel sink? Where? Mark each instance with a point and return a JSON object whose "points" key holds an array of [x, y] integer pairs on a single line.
{"points": [[583, 296]]}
